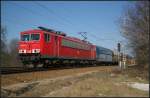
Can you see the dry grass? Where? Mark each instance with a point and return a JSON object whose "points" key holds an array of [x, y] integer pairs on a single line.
{"points": [[101, 82], [135, 71], [34, 76], [96, 86]]}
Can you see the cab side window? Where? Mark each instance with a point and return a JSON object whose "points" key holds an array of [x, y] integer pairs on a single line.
{"points": [[46, 37]]}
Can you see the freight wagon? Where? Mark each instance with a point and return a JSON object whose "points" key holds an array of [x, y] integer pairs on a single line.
{"points": [[104, 55]]}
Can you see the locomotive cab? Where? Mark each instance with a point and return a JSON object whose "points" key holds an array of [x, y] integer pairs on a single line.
{"points": [[29, 43], [30, 46]]}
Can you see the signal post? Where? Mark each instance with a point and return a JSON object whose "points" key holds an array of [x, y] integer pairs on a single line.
{"points": [[121, 58]]}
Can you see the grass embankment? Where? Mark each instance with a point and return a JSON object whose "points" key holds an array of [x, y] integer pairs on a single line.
{"points": [[102, 82]]}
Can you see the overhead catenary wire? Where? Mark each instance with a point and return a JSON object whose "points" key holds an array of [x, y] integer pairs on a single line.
{"points": [[26, 8], [16, 23], [89, 25], [59, 17], [91, 34], [64, 20], [47, 9], [39, 14]]}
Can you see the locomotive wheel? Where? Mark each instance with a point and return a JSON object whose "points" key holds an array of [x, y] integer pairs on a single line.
{"points": [[25, 66], [34, 66], [45, 65]]}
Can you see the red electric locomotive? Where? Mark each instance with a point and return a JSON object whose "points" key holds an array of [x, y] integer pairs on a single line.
{"points": [[47, 46]]}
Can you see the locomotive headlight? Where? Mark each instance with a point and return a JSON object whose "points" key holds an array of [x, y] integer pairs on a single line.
{"points": [[35, 50], [20, 51], [24, 51]]}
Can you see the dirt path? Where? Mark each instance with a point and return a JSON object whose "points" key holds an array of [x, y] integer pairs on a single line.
{"points": [[92, 82], [34, 76]]}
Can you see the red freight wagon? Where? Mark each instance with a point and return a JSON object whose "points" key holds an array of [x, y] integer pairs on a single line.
{"points": [[46, 46]]}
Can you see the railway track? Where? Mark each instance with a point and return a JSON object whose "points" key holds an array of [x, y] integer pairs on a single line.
{"points": [[13, 70]]}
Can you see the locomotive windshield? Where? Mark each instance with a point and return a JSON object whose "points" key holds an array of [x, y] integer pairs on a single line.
{"points": [[35, 36], [30, 37], [25, 37]]}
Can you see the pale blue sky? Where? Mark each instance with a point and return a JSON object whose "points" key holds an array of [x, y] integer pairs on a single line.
{"points": [[97, 18]]}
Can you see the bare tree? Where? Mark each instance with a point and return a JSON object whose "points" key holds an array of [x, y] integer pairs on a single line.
{"points": [[3, 50], [13, 46], [9, 58], [135, 27], [3, 38]]}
